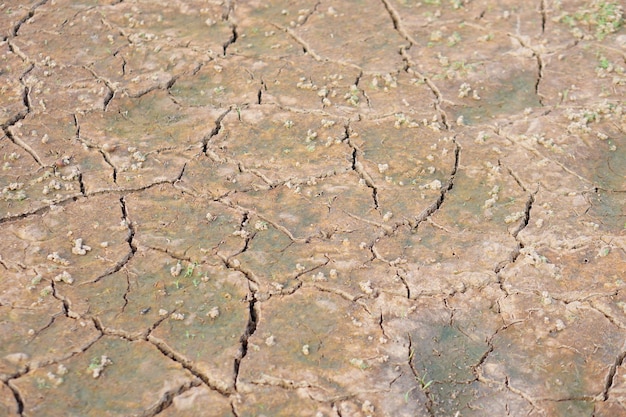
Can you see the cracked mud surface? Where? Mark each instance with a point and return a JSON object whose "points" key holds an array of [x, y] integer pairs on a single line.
{"points": [[299, 208]]}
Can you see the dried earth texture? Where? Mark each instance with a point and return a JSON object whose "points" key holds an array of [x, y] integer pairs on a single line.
{"points": [[299, 208]]}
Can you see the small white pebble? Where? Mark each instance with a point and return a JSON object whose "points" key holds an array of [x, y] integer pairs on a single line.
{"points": [[176, 269], [260, 225], [79, 248], [96, 369], [62, 369], [178, 316], [559, 325], [54, 257], [65, 277], [213, 312], [270, 341], [366, 287], [367, 407], [513, 217]]}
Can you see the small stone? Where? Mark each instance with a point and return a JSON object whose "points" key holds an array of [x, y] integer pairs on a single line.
{"points": [[213, 312], [559, 325], [178, 316], [176, 269], [79, 248], [16, 358], [97, 368], [65, 277]]}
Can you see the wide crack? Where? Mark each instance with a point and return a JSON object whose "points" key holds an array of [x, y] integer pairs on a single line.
{"points": [[231, 40], [610, 377], [250, 329]]}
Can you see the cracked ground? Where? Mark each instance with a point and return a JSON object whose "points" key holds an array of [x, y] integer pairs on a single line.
{"points": [[299, 208]]}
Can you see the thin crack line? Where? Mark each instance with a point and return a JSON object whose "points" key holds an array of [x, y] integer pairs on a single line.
{"points": [[397, 23], [429, 211], [26, 18], [217, 386]]}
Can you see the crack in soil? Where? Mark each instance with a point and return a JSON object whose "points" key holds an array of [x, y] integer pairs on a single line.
{"points": [[357, 167], [214, 132], [217, 386], [525, 219], [439, 100], [31, 13], [449, 184], [422, 382], [396, 19], [17, 396], [168, 398], [610, 377], [544, 15], [538, 57], [253, 317], [231, 40]]}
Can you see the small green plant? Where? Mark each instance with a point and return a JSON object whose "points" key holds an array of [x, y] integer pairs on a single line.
{"points": [[604, 63], [454, 39], [189, 270], [423, 383], [606, 17], [42, 383], [94, 364]]}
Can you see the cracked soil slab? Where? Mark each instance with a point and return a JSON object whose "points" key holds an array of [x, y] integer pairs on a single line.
{"points": [[312, 208]]}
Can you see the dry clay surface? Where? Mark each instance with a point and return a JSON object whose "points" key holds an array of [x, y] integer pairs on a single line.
{"points": [[300, 208]]}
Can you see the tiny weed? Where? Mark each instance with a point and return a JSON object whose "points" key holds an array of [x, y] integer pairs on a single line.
{"points": [[604, 63], [189, 270], [42, 383], [454, 39], [94, 364], [423, 383], [605, 17]]}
